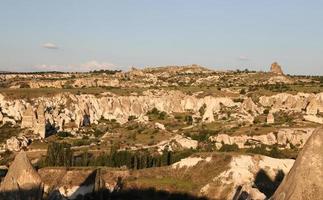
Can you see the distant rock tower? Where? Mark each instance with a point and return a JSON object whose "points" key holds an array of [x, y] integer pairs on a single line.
{"points": [[276, 69]]}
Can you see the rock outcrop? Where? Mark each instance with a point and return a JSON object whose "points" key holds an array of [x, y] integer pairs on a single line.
{"points": [[22, 182], [305, 179], [28, 118], [276, 68], [284, 137], [35, 120], [16, 143], [241, 179], [40, 127], [69, 111], [63, 109]]}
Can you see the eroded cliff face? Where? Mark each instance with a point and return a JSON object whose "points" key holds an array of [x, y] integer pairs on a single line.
{"points": [[69, 111], [76, 109]]}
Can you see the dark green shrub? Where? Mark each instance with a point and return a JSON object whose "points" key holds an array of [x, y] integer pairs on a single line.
{"points": [[229, 148]]}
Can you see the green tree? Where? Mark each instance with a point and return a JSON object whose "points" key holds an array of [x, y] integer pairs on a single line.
{"points": [[59, 154]]}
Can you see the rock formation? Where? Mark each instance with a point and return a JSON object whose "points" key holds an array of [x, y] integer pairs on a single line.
{"points": [[305, 179], [22, 182], [28, 118], [35, 121], [40, 127], [286, 136], [16, 143], [240, 179], [276, 69]]}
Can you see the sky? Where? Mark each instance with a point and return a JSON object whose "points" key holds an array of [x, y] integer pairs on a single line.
{"points": [[81, 35]]}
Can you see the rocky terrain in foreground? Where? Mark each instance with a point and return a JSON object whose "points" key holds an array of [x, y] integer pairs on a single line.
{"points": [[175, 132]]}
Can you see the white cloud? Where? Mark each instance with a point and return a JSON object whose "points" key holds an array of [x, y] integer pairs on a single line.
{"points": [[84, 67], [49, 45], [243, 58]]}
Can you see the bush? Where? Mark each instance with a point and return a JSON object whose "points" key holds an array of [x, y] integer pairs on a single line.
{"points": [[59, 154], [131, 118], [229, 148], [266, 111], [189, 119], [156, 114], [242, 91], [202, 109], [63, 134]]}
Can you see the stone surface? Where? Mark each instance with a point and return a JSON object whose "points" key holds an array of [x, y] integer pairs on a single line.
{"points": [[40, 127], [285, 136], [313, 118], [305, 179], [276, 68], [160, 126], [22, 181], [13, 144], [8, 120], [242, 173], [28, 118]]}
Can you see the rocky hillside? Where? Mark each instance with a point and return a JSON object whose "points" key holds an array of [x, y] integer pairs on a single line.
{"points": [[176, 132]]}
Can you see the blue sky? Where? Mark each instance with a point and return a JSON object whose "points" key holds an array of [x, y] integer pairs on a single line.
{"points": [[220, 34]]}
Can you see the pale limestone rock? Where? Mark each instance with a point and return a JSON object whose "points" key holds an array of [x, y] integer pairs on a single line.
{"points": [[313, 118], [249, 106], [284, 101], [28, 118], [190, 162], [40, 127], [160, 126], [22, 181], [295, 136], [13, 144], [315, 105], [268, 139], [305, 179], [186, 142], [7, 120], [1, 117], [279, 79], [16, 143], [242, 172]]}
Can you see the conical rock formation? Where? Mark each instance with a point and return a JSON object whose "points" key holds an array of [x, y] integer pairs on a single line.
{"points": [[276, 69], [305, 179], [22, 181]]}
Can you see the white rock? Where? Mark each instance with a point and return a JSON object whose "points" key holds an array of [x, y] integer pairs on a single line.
{"points": [[160, 126], [13, 144], [242, 172], [8, 120], [190, 162], [313, 118]]}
